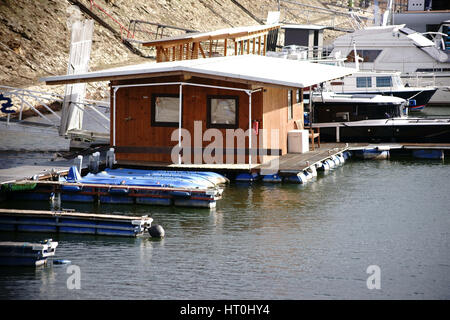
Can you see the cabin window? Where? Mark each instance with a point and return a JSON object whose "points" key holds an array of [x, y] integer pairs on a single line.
{"points": [[165, 110], [290, 104], [367, 55], [299, 95], [384, 82], [364, 82], [222, 112]]}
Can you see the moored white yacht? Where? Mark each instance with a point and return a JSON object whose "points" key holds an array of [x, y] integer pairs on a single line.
{"points": [[372, 118], [385, 83], [397, 48]]}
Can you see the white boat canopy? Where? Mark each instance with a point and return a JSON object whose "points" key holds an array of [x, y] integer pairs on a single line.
{"points": [[249, 68]]}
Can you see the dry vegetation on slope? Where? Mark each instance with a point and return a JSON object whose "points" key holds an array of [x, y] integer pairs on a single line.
{"points": [[34, 36]]}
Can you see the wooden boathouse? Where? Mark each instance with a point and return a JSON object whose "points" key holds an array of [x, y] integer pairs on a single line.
{"points": [[153, 103]]}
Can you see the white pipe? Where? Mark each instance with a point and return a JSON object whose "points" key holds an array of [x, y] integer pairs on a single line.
{"points": [[179, 83], [180, 110], [250, 131], [114, 114], [249, 92], [355, 56]]}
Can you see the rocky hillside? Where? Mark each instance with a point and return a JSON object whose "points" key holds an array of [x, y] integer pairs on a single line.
{"points": [[34, 35]]}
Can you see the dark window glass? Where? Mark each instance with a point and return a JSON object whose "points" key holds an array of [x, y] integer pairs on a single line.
{"points": [[299, 95], [367, 55], [290, 105], [384, 82], [364, 82]]}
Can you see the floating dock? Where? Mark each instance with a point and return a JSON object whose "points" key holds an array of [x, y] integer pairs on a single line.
{"points": [[71, 222], [25, 253], [123, 186]]}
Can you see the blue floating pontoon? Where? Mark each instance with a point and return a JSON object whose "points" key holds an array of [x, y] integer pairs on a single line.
{"points": [[247, 177], [271, 178], [25, 253], [428, 154], [73, 222]]}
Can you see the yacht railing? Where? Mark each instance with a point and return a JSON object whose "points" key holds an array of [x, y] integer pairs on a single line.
{"points": [[420, 79]]}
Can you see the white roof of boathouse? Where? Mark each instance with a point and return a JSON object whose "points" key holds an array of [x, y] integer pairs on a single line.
{"points": [[251, 68]]}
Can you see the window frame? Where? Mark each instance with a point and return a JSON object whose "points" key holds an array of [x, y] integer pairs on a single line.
{"points": [[368, 55], [380, 80], [209, 124], [153, 121], [367, 82], [299, 94], [290, 104]]}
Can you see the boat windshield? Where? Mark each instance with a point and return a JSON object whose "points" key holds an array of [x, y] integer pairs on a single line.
{"points": [[396, 81]]}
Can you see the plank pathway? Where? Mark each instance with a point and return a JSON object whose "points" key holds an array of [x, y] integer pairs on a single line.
{"points": [[292, 163]]}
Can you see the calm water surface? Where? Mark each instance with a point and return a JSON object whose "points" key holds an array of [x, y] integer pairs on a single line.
{"points": [[269, 242]]}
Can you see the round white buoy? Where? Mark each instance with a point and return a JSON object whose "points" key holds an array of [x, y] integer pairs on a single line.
{"points": [[308, 175], [324, 166], [156, 231], [331, 163], [336, 160]]}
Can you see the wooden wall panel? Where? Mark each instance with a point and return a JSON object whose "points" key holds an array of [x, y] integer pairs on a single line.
{"points": [[275, 110], [133, 125]]}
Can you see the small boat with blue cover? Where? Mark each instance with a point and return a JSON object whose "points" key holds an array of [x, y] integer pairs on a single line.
{"points": [[126, 186]]}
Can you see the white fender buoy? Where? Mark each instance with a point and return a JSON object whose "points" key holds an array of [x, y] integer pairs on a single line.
{"points": [[331, 163]]}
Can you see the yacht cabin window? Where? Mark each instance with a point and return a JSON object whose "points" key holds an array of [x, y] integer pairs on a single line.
{"points": [[367, 55], [384, 82], [363, 82]]}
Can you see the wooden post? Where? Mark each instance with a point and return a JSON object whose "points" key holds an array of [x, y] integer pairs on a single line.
{"points": [[187, 51], [195, 50], [180, 57], [248, 46], [225, 47], [242, 46], [235, 48], [253, 50], [201, 50], [210, 48], [264, 48], [174, 53], [259, 45]]}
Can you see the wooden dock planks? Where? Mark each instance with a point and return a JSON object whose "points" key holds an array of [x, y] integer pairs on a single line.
{"points": [[293, 163]]}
